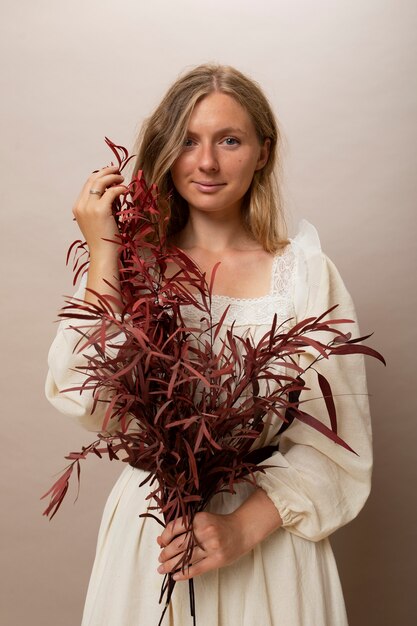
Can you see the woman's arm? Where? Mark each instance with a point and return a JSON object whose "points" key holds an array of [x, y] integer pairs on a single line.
{"points": [[223, 538], [317, 485], [93, 213]]}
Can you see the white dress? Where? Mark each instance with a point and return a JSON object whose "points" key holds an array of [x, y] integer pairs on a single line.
{"points": [[290, 578]]}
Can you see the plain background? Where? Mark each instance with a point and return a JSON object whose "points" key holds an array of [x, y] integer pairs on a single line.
{"points": [[341, 77]]}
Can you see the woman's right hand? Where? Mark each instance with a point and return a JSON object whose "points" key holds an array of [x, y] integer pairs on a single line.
{"points": [[93, 211]]}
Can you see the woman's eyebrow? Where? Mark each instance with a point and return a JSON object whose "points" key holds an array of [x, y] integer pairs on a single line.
{"points": [[229, 130]]}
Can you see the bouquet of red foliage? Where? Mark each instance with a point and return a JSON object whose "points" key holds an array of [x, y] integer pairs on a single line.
{"points": [[184, 403]]}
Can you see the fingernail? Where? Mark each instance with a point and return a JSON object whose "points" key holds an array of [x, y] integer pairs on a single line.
{"points": [[160, 569]]}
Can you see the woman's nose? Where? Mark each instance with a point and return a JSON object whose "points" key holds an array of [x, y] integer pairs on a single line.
{"points": [[208, 159]]}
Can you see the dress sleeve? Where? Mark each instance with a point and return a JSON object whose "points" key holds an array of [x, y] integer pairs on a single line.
{"points": [[317, 485], [64, 359]]}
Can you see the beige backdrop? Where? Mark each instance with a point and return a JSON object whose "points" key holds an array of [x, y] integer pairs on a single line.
{"points": [[341, 76]]}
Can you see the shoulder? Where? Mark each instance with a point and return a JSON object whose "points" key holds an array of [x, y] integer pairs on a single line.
{"points": [[316, 274]]}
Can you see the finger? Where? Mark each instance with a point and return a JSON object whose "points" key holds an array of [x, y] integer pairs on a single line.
{"points": [[172, 565], [176, 563], [98, 175], [88, 199], [171, 530], [83, 207], [177, 545], [111, 170], [100, 184], [113, 192], [107, 167], [96, 185], [205, 564], [100, 178]]}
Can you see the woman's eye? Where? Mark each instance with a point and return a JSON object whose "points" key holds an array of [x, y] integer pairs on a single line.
{"points": [[188, 142], [231, 141]]}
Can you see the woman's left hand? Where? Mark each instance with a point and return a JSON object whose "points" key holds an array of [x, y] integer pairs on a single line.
{"points": [[220, 542], [222, 539]]}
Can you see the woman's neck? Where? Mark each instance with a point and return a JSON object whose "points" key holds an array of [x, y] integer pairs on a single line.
{"points": [[215, 233]]}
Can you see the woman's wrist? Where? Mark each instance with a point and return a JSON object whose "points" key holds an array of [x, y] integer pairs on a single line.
{"points": [[103, 269], [104, 251], [256, 518]]}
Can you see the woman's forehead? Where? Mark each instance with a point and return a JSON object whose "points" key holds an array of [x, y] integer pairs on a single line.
{"points": [[219, 111]]}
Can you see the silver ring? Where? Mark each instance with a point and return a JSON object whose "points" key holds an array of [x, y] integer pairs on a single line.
{"points": [[96, 192]]}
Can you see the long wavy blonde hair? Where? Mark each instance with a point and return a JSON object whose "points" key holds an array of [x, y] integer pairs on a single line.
{"points": [[162, 137]]}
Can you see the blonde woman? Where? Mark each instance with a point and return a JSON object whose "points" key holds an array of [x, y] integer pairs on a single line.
{"points": [[263, 558]]}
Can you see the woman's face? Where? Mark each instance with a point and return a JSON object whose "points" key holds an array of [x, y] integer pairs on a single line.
{"points": [[220, 155]]}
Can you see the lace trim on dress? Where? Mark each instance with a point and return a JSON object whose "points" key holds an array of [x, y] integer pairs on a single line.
{"points": [[258, 311]]}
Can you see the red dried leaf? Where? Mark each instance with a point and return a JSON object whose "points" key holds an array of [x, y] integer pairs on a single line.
{"points": [[328, 398], [322, 428]]}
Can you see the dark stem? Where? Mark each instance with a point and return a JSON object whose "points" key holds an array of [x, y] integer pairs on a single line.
{"points": [[192, 600], [167, 587]]}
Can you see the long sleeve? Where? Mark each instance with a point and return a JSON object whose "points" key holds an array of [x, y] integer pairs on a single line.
{"points": [[64, 358], [317, 485]]}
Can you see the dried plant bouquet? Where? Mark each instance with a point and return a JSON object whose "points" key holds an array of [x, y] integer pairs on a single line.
{"points": [[184, 403]]}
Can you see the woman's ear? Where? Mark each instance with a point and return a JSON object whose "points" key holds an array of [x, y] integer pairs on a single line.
{"points": [[263, 155]]}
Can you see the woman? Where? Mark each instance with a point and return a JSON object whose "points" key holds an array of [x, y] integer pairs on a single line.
{"points": [[263, 557]]}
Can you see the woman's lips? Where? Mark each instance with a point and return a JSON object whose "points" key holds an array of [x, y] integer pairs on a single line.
{"points": [[206, 187]]}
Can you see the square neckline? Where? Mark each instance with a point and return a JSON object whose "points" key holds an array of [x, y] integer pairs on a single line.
{"points": [[267, 296]]}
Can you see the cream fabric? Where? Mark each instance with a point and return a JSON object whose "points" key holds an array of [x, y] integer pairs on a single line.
{"points": [[290, 579]]}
